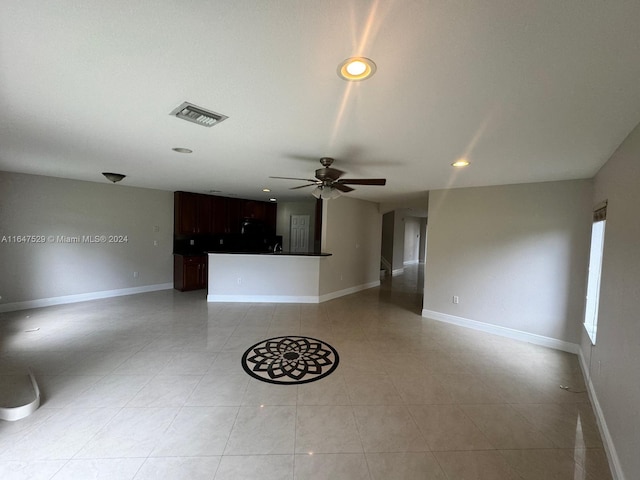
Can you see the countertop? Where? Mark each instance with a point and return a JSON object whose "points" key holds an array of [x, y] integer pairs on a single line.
{"points": [[289, 254]]}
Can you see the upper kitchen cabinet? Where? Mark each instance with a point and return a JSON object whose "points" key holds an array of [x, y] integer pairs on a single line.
{"points": [[198, 214], [263, 211], [253, 209], [192, 213], [225, 215]]}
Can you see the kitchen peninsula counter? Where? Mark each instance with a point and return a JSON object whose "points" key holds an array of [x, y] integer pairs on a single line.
{"points": [[283, 253], [282, 277]]}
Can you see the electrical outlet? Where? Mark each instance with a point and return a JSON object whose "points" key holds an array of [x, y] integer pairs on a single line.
{"points": [[156, 228], [192, 242], [456, 299], [155, 243], [135, 274]]}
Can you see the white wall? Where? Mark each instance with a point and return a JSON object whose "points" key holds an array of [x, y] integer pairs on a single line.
{"points": [[283, 225], [37, 205], [263, 278], [614, 362], [351, 232], [515, 255]]}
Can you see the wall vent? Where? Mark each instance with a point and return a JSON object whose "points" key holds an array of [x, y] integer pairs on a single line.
{"points": [[192, 113]]}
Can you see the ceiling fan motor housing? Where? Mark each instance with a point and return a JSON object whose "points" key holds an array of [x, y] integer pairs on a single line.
{"points": [[328, 173]]}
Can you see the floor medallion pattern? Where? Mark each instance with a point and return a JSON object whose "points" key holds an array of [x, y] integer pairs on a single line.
{"points": [[290, 360]]}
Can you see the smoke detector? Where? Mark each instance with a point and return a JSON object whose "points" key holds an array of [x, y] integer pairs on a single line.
{"points": [[192, 113]]}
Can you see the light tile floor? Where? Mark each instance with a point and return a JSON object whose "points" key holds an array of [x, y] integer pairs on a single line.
{"points": [[150, 386]]}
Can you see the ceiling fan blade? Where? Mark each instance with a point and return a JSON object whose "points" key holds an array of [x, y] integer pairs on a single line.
{"points": [[293, 178], [343, 188], [363, 181], [302, 186]]}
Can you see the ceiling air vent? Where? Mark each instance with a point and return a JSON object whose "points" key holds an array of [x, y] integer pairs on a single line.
{"points": [[192, 113]]}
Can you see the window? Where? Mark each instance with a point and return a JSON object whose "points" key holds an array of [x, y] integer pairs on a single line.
{"points": [[595, 269]]}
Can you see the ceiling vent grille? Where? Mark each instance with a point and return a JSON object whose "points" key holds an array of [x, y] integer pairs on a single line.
{"points": [[192, 113]]}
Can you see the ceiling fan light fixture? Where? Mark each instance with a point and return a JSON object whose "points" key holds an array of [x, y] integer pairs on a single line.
{"points": [[355, 69], [113, 177], [325, 193]]}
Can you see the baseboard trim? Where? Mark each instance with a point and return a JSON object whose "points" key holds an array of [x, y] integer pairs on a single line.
{"points": [[263, 298], [290, 298], [397, 271], [82, 297], [503, 331], [348, 291], [609, 447]]}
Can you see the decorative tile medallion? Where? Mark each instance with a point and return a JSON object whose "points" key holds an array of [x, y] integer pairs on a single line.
{"points": [[290, 360]]}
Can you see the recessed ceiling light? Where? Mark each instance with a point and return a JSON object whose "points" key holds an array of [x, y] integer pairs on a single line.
{"points": [[266, 190], [460, 163], [355, 69], [182, 150], [273, 199]]}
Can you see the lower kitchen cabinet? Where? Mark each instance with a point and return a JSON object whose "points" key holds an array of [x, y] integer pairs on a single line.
{"points": [[189, 272]]}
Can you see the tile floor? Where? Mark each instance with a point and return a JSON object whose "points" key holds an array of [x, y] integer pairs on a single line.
{"points": [[150, 386]]}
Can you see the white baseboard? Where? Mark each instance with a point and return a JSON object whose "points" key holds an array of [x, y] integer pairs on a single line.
{"points": [[348, 291], [397, 271], [81, 297], [290, 298], [410, 262], [263, 298], [609, 447], [503, 331]]}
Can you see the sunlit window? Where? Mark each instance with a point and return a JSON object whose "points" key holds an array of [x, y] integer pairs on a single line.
{"points": [[595, 270]]}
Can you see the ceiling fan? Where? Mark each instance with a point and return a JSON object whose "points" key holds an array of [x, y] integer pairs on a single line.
{"points": [[328, 182]]}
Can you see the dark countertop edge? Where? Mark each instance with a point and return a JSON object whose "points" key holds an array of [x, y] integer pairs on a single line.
{"points": [[278, 254]]}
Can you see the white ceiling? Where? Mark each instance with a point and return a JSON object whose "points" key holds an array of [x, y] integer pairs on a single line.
{"points": [[527, 90]]}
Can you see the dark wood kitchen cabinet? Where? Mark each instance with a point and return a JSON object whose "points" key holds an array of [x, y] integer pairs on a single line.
{"points": [[192, 213], [225, 215], [199, 214], [254, 210], [262, 211], [189, 272]]}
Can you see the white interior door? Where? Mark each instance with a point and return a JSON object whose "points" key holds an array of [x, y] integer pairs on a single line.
{"points": [[299, 233]]}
